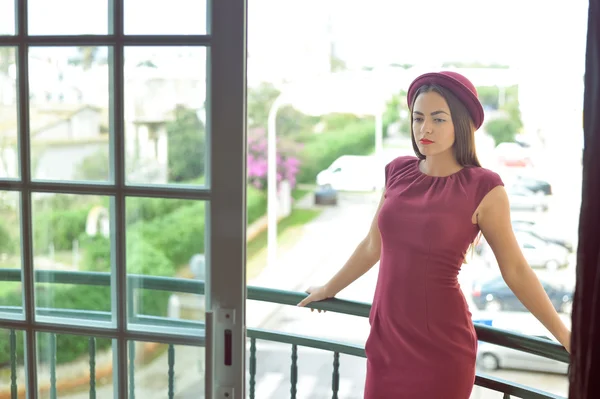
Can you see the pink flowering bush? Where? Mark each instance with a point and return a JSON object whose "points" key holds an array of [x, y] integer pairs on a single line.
{"points": [[287, 164]]}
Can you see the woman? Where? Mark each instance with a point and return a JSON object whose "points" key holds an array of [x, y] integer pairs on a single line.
{"points": [[422, 342]]}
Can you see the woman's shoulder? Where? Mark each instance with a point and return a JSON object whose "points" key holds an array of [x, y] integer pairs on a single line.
{"points": [[483, 180], [399, 169], [402, 161], [483, 175]]}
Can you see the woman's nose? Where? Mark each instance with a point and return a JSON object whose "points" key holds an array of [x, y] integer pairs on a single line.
{"points": [[425, 127]]}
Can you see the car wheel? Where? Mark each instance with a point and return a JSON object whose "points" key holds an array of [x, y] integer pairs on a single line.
{"points": [[489, 362], [552, 265], [567, 307], [493, 306]]}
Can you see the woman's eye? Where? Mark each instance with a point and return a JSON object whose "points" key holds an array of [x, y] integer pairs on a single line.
{"points": [[440, 120], [418, 119]]}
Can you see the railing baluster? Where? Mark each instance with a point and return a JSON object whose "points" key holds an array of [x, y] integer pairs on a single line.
{"points": [[13, 364], [171, 371], [131, 370], [52, 366], [294, 371], [335, 381], [252, 367], [92, 349]]}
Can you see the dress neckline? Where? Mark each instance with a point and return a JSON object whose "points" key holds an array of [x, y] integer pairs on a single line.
{"points": [[436, 177]]}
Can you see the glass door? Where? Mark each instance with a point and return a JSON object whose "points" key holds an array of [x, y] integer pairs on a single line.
{"points": [[122, 198]]}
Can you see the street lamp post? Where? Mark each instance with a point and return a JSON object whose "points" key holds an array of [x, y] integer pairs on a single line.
{"points": [[272, 202]]}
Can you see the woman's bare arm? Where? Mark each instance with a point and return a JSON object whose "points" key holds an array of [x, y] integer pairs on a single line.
{"points": [[493, 217], [362, 259]]}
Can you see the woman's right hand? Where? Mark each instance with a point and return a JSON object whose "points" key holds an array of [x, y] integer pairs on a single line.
{"points": [[315, 294]]}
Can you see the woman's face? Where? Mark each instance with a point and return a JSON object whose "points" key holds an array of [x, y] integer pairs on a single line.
{"points": [[432, 125]]}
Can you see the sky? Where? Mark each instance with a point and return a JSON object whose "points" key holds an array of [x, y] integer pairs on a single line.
{"points": [[366, 32]]}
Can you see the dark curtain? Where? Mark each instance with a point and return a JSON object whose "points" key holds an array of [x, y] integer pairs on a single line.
{"points": [[585, 339]]}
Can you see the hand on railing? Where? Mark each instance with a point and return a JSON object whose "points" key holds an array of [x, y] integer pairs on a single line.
{"points": [[315, 294]]}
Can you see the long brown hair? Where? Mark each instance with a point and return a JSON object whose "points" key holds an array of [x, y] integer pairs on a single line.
{"points": [[464, 128], [464, 136]]}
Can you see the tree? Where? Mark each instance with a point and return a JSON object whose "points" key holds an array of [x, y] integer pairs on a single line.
{"points": [[187, 145], [289, 120], [502, 130], [94, 167]]}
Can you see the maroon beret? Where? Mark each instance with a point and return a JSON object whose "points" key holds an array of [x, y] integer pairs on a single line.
{"points": [[460, 86]]}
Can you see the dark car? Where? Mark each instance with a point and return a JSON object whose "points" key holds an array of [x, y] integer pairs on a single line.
{"points": [[495, 295], [536, 186]]}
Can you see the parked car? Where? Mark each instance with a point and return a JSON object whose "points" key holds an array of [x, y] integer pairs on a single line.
{"points": [[353, 173], [535, 185], [494, 357], [494, 295], [543, 234], [537, 252], [513, 155], [523, 199], [326, 195]]}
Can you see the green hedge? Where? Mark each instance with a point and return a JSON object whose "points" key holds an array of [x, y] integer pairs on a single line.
{"points": [[318, 153], [59, 227], [162, 235]]}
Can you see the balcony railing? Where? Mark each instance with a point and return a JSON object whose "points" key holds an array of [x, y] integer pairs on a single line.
{"points": [[492, 335]]}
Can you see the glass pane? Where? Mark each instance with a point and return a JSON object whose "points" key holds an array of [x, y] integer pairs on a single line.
{"points": [[156, 17], [7, 17], [154, 378], [74, 366], [9, 166], [165, 91], [165, 238], [69, 100], [71, 235], [12, 364], [11, 300], [68, 17]]}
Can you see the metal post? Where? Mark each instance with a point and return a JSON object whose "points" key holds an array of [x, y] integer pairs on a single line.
{"points": [[272, 203]]}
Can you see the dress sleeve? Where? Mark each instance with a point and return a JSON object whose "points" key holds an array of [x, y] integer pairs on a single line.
{"points": [[489, 180], [388, 172]]}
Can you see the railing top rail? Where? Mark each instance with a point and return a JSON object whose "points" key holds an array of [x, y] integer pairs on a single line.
{"points": [[488, 334]]}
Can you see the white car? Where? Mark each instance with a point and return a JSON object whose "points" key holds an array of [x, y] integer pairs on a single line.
{"points": [[522, 199], [353, 173], [537, 252], [493, 357]]}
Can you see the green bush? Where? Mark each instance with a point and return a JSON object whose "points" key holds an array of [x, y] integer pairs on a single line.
{"points": [[58, 227], [163, 235], [96, 253], [324, 148], [256, 204], [502, 130], [7, 244], [147, 209], [178, 235]]}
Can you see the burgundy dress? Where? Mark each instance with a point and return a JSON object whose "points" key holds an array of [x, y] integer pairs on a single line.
{"points": [[422, 343]]}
